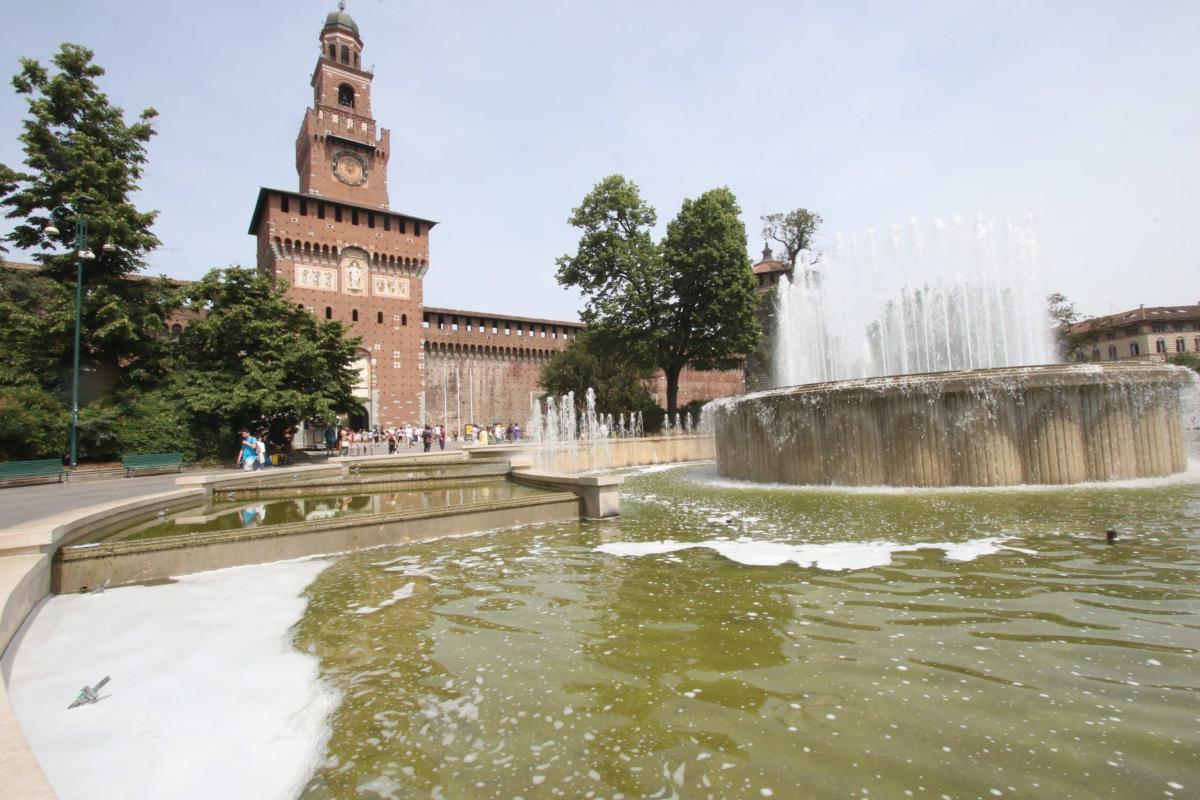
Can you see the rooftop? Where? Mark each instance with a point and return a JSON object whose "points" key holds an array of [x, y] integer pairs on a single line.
{"points": [[263, 192], [1140, 314], [457, 312]]}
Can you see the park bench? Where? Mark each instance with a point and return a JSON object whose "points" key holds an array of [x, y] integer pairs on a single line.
{"points": [[40, 468], [151, 461]]}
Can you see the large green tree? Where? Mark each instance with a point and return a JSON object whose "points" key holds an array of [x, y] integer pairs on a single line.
{"points": [[80, 152], [687, 301], [252, 359]]}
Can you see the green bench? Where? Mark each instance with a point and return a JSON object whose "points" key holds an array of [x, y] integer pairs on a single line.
{"points": [[40, 468], [151, 461]]}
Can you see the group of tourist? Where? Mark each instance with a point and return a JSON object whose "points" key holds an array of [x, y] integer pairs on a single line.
{"points": [[347, 441], [496, 433]]}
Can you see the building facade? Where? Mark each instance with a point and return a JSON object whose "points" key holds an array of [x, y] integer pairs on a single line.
{"points": [[347, 255], [1145, 334]]}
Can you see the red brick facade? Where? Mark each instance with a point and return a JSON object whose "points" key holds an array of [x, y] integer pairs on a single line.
{"points": [[347, 256]]}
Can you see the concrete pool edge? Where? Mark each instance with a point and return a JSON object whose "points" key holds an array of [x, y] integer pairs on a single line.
{"points": [[126, 562], [26, 551]]}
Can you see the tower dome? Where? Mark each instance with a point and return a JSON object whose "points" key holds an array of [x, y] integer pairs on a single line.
{"points": [[340, 19]]}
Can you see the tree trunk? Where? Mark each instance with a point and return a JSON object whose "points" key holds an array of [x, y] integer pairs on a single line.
{"points": [[672, 373]]}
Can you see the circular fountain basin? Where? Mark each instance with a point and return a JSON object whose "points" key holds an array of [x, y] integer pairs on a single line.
{"points": [[1055, 424]]}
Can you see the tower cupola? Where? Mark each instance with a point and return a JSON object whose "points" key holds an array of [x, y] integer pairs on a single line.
{"points": [[340, 41]]}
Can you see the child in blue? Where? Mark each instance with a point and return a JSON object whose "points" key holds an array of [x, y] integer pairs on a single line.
{"points": [[248, 455]]}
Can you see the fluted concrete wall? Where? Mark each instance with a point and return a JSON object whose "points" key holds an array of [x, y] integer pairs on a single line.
{"points": [[1056, 424]]}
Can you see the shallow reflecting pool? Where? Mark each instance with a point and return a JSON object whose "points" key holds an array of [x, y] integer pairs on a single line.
{"points": [[234, 515], [722, 641]]}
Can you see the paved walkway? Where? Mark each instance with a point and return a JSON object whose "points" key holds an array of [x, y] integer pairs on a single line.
{"points": [[22, 503]]}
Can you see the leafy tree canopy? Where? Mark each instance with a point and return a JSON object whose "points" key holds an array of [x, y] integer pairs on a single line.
{"points": [[36, 323], [793, 230], [80, 152], [589, 361], [687, 300], [252, 359], [1071, 344]]}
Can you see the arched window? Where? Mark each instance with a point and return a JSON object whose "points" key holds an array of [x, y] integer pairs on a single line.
{"points": [[332, 50], [1134, 350], [404, 319], [1180, 346], [346, 95], [354, 315], [328, 312], [1160, 346], [345, 54]]}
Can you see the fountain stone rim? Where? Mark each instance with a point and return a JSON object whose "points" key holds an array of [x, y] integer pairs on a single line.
{"points": [[971, 381]]}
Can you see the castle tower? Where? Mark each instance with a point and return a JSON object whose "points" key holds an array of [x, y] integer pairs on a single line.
{"points": [[339, 152], [343, 252]]}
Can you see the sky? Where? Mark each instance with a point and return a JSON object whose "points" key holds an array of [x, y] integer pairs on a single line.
{"points": [[1083, 115]]}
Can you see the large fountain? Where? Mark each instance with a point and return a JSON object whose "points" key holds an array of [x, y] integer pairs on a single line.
{"points": [[930, 363]]}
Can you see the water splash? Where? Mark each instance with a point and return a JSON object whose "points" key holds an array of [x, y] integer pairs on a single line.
{"points": [[969, 298]]}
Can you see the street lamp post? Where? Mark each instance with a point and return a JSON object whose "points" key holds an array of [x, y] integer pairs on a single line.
{"points": [[82, 253]]}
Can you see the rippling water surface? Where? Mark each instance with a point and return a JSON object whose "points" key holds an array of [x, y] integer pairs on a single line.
{"points": [[1021, 656]]}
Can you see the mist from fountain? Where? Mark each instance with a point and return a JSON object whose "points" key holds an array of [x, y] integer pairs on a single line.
{"points": [[957, 296]]}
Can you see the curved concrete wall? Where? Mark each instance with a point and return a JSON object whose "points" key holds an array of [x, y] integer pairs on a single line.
{"points": [[1055, 424]]}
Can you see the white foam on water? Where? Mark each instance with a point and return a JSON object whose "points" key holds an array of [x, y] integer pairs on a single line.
{"points": [[708, 476], [652, 468], [836, 556], [400, 594], [208, 697]]}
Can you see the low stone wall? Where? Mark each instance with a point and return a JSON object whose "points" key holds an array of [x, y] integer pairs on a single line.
{"points": [[80, 568], [1038, 425], [609, 454]]}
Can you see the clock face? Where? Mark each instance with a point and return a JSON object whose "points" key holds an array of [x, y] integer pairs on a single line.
{"points": [[350, 168]]}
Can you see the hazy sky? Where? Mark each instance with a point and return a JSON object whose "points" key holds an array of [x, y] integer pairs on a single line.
{"points": [[503, 115]]}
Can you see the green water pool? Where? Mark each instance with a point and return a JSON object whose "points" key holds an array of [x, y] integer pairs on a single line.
{"points": [[993, 645]]}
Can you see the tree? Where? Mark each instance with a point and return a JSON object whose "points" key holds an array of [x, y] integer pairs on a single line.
{"points": [[688, 301], [793, 230], [36, 319], [79, 151], [713, 320], [33, 423], [589, 362], [252, 359], [1071, 341]]}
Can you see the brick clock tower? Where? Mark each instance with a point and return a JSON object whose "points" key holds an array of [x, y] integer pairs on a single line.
{"points": [[344, 253]]}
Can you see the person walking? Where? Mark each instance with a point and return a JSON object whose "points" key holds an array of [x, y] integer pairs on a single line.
{"points": [[427, 438], [260, 454], [248, 453], [391, 440], [344, 444], [442, 438]]}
